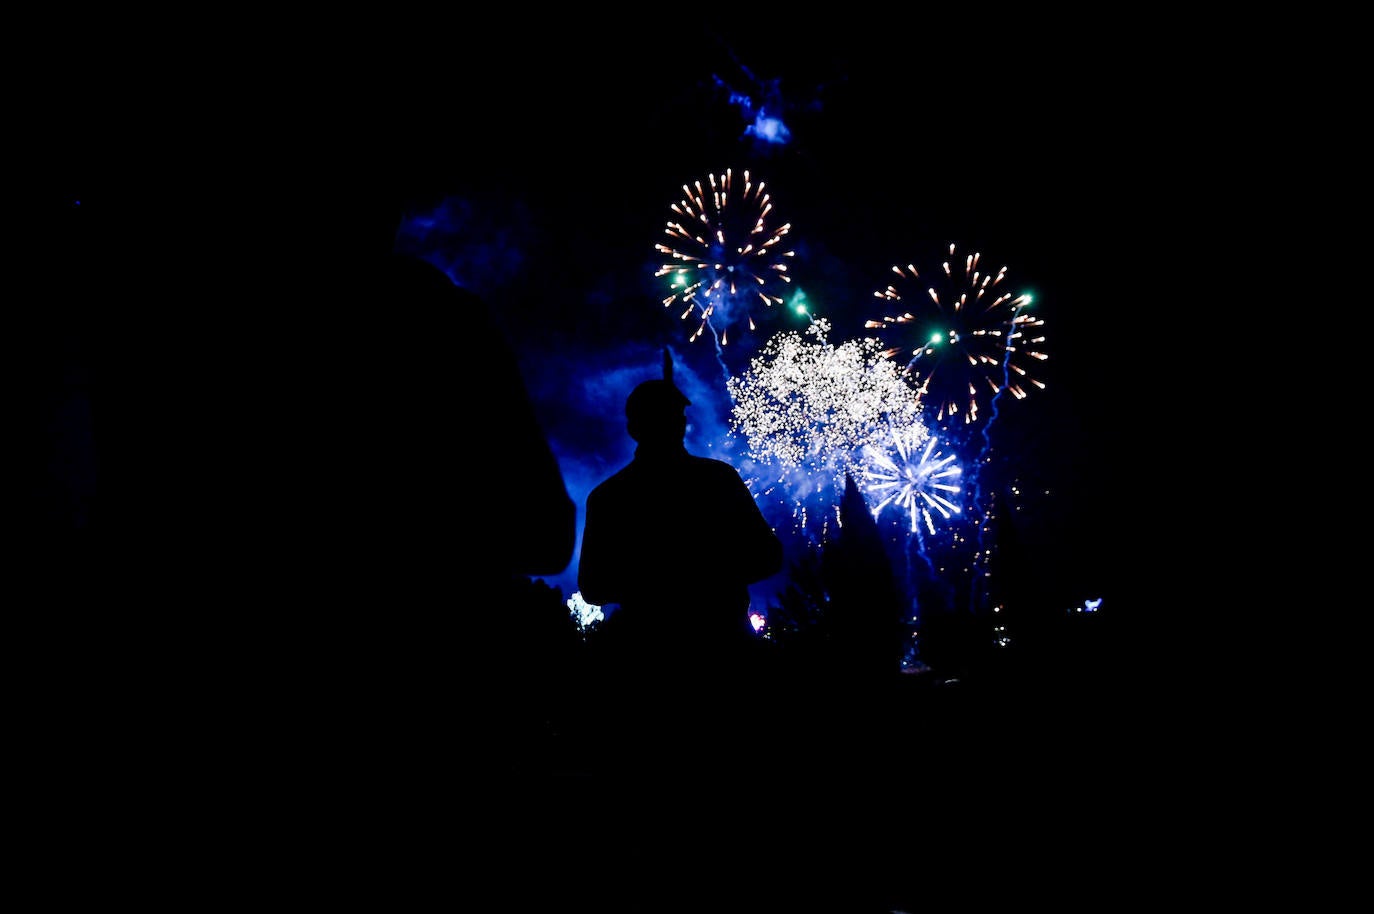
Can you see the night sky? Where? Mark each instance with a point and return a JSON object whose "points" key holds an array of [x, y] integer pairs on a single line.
{"points": [[545, 170]]}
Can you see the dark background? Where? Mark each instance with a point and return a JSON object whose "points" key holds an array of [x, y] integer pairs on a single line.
{"points": [[177, 192], [182, 202]]}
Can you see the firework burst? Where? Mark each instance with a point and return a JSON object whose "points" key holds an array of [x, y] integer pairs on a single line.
{"points": [[911, 475], [805, 408], [727, 262], [972, 337]]}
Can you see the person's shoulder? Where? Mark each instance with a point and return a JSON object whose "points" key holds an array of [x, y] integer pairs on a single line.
{"points": [[713, 464], [717, 471]]}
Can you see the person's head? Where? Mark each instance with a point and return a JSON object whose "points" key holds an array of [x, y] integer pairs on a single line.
{"points": [[654, 412]]}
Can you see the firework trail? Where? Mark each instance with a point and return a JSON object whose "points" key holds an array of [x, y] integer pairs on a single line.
{"points": [[805, 408], [982, 556], [727, 262]]}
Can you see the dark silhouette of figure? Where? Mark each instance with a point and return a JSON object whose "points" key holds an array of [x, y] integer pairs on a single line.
{"points": [[672, 542]]}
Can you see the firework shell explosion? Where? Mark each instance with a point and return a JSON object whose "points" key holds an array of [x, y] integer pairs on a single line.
{"points": [[969, 337], [909, 472], [728, 264]]}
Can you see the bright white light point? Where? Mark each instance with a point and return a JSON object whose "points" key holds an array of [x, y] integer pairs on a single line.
{"points": [[585, 613]]}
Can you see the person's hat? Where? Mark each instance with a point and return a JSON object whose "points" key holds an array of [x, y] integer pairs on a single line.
{"points": [[655, 398]]}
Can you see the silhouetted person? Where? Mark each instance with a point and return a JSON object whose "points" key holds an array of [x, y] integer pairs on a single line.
{"points": [[674, 541]]}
